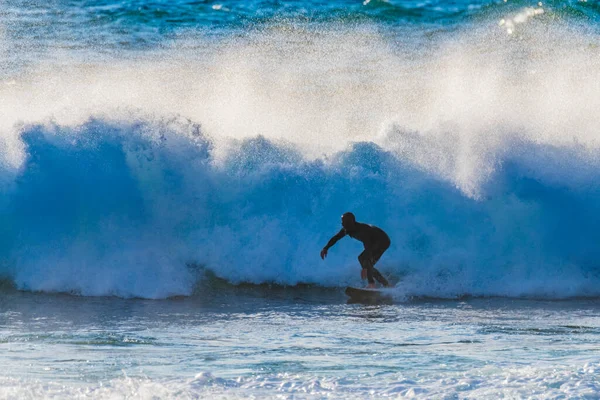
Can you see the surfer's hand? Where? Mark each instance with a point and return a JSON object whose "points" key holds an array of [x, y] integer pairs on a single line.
{"points": [[323, 253], [363, 274]]}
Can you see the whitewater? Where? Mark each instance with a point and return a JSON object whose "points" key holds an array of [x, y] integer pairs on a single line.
{"points": [[170, 171], [478, 154]]}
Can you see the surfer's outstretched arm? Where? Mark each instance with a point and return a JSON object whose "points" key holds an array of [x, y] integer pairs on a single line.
{"points": [[332, 241]]}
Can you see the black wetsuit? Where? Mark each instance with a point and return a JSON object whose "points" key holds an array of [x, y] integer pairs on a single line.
{"points": [[376, 242]]}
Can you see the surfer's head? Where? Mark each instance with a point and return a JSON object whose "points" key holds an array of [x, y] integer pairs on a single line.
{"points": [[348, 220]]}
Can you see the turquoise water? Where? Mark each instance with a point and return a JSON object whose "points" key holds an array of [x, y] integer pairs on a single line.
{"points": [[169, 172], [296, 343]]}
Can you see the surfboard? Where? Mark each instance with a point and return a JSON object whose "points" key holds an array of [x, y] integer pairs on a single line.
{"points": [[368, 296]]}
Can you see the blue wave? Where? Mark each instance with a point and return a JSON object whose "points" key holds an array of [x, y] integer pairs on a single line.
{"points": [[123, 208]]}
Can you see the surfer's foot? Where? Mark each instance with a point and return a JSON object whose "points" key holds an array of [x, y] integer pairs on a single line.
{"points": [[371, 286]]}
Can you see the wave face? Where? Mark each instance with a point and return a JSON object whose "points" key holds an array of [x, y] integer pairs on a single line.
{"points": [[121, 209], [475, 149]]}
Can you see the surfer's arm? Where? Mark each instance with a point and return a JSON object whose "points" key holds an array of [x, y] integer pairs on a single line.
{"points": [[332, 241]]}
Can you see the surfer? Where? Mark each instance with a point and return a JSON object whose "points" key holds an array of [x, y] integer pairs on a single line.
{"points": [[375, 240]]}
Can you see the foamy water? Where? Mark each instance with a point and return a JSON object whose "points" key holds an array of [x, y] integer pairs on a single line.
{"points": [[286, 343], [476, 151]]}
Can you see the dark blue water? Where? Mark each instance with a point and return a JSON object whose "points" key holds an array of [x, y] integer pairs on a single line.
{"points": [[114, 27]]}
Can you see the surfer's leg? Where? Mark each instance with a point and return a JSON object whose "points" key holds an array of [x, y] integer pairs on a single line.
{"points": [[365, 260], [379, 277], [377, 252], [376, 255]]}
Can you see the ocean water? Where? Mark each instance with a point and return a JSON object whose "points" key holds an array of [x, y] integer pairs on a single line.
{"points": [[170, 170], [239, 343]]}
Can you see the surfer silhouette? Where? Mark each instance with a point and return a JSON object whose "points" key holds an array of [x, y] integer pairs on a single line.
{"points": [[375, 240]]}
